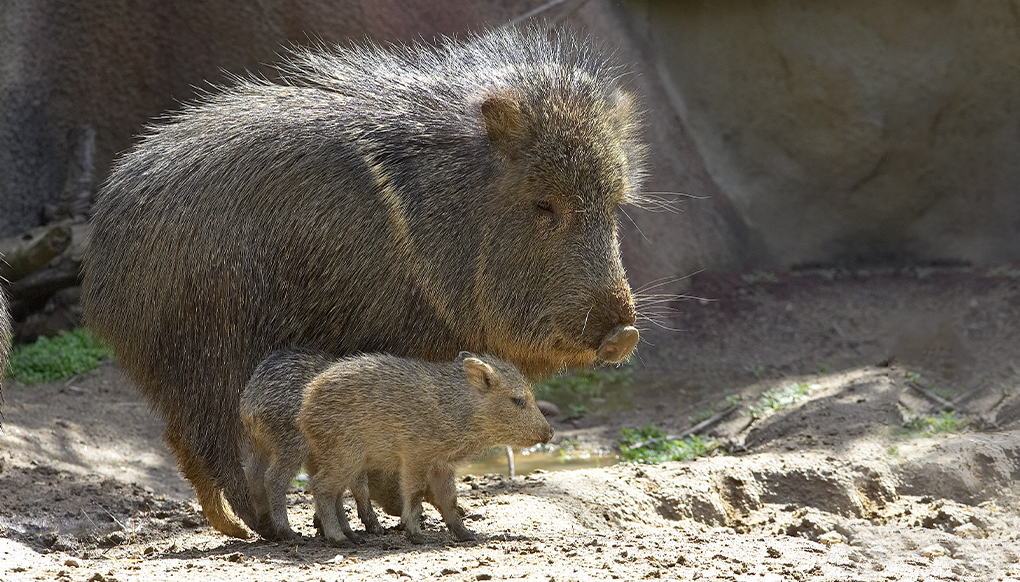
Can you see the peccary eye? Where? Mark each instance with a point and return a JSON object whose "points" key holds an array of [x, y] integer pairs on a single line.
{"points": [[545, 208], [518, 402]]}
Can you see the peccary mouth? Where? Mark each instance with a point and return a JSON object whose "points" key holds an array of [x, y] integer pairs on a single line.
{"points": [[618, 344]]}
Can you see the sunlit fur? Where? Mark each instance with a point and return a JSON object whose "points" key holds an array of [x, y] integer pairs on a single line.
{"points": [[421, 419], [411, 200]]}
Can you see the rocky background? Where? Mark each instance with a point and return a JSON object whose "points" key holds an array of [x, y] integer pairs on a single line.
{"points": [[783, 134]]}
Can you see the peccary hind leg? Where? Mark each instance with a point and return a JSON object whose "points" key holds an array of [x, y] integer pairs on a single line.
{"points": [[412, 487], [255, 473], [329, 506], [210, 496], [365, 512], [444, 493]]}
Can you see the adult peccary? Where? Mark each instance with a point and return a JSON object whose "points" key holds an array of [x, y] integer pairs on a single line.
{"points": [[412, 200], [270, 404], [382, 413]]}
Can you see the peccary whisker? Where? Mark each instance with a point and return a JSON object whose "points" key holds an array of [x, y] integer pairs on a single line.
{"points": [[585, 326], [635, 225]]}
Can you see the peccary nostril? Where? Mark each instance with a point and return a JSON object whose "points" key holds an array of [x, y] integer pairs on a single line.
{"points": [[618, 344]]}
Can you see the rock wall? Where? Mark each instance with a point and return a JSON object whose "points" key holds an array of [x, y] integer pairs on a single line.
{"points": [[112, 67], [850, 132], [806, 132]]}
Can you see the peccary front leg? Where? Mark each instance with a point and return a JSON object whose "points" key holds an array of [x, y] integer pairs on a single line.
{"points": [[412, 488], [365, 512], [444, 493]]}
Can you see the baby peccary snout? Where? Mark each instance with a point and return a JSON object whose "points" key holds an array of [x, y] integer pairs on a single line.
{"points": [[419, 419]]}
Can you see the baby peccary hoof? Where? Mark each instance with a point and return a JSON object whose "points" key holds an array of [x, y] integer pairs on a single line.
{"points": [[463, 534]]}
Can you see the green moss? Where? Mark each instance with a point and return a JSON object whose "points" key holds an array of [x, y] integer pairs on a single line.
{"points": [[942, 423], [573, 391], [49, 360], [780, 398], [650, 445]]}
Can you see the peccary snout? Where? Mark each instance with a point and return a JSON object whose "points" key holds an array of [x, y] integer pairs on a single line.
{"points": [[548, 434], [618, 344]]}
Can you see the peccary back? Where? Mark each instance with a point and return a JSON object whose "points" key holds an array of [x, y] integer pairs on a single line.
{"points": [[412, 200]]}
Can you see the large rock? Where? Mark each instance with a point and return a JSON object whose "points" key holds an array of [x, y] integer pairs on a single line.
{"points": [[853, 132]]}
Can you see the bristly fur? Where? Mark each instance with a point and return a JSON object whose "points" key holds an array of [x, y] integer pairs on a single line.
{"points": [[412, 200]]}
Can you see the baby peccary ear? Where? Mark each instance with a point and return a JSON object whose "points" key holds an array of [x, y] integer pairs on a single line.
{"points": [[479, 374], [464, 355], [505, 124]]}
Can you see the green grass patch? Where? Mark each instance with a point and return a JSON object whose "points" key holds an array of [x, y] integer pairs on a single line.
{"points": [[52, 359], [780, 398], [574, 391], [946, 422], [649, 445]]}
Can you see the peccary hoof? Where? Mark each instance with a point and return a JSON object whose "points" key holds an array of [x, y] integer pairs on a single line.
{"points": [[548, 409], [618, 344]]}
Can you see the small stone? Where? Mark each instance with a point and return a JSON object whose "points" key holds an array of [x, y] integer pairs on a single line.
{"points": [[932, 552], [832, 538], [72, 563], [483, 576], [448, 571], [970, 531]]}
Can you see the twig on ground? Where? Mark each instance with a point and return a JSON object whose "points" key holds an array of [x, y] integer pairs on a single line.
{"points": [[942, 402], [698, 428]]}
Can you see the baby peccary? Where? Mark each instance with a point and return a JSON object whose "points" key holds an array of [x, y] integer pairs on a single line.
{"points": [[381, 412], [269, 406]]}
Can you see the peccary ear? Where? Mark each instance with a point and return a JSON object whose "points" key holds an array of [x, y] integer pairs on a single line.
{"points": [[464, 355], [505, 123], [479, 374]]}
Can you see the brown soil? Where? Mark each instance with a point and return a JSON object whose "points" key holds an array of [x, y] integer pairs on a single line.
{"points": [[834, 487]]}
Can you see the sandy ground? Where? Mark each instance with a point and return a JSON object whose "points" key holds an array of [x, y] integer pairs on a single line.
{"points": [[837, 486]]}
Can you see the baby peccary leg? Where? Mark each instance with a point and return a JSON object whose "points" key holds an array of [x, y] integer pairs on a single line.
{"points": [[255, 473], [277, 481], [365, 512], [444, 493], [412, 486], [329, 508]]}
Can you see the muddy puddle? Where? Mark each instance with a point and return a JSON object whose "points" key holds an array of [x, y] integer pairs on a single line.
{"points": [[543, 458]]}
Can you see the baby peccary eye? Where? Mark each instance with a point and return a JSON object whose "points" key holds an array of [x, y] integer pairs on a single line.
{"points": [[518, 402]]}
